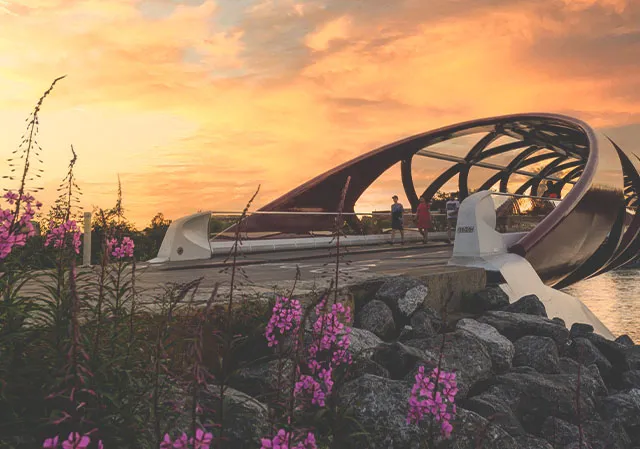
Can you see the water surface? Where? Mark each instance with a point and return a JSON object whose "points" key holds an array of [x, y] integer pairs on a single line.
{"points": [[614, 297]]}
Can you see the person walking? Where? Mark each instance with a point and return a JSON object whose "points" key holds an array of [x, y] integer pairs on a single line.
{"points": [[424, 219], [396, 220], [452, 207]]}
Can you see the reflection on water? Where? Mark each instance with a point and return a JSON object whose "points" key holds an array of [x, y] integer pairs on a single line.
{"points": [[614, 297]]}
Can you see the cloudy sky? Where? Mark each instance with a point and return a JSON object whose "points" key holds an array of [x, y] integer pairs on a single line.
{"points": [[196, 102]]}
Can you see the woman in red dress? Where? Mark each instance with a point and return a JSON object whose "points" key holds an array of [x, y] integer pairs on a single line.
{"points": [[424, 219]]}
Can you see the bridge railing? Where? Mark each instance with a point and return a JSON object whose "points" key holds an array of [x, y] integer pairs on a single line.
{"points": [[222, 224], [520, 213]]}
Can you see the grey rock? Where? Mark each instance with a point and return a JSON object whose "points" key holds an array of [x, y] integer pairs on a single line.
{"points": [[265, 379], [580, 330], [614, 352], [412, 299], [427, 313], [407, 333], [540, 353], [362, 342], [494, 408], [531, 442], [380, 406], [377, 317], [606, 434], [630, 380], [533, 396], [463, 353], [404, 295], [425, 322], [491, 298], [517, 325], [624, 407], [625, 340], [529, 304], [472, 431], [400, 359], [585, 352], [559, 321], [570, 366], [360, 367], [246, 420], [578, 445], [500, 349], [560, 433]]}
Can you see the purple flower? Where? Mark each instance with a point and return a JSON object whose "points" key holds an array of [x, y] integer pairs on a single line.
{"points": [[75, 441], [202, 440], [122, 251], [166, 442], [50, 443], [427, 399], [60, 235]]}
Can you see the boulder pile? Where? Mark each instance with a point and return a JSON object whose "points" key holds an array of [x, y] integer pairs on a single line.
{"points": [[525, 381]]}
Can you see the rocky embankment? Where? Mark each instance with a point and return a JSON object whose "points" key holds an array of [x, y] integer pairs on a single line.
{"points": [[525, 381]]}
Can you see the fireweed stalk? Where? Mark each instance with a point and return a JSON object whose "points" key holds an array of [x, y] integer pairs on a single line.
{"points": [[425, 395], [328, 349]]}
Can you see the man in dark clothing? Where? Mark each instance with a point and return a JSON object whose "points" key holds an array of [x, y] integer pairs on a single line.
{"points": [[396, 220]]}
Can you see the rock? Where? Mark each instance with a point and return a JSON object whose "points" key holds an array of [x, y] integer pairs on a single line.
{"points": [[606, 434], [614, 352], [559, 321], [500, 349], [362, 342], [496, 410], [472, 431], [534, 397], [578, 445], [379, 407], [516, 325], [540, 353], [246, 420], [406, 333], [570, 366], [625, 340], [265, 379], [404, 295], [531, 442], [431, 315], [529, 304], [491, 298], [580, 330], [624, 407], [583, 351], [425, 322], [630, 380], [560, 433], [400, 359], [360, 367], [463, 353], [377, 317]]}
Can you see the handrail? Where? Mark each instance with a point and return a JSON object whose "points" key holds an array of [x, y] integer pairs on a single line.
{"points": [[557, 200], [258, 212]]}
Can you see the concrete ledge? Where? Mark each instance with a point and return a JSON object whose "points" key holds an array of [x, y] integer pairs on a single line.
{"points": [[445, 280]]}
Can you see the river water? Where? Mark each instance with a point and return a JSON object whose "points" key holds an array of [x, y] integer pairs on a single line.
{"points": [[614, 297]]}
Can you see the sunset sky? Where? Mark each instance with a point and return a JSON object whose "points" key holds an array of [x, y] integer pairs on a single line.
{"points": [[194, 103]]}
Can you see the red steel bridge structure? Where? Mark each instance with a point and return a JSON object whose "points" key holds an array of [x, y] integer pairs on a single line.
{"points": [[594, 229]]}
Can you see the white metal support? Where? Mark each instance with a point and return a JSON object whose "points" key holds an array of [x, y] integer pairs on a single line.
{"points": [[478, 244]]}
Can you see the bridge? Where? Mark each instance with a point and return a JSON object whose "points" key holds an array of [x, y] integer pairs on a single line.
{"points": [[505, 227]]}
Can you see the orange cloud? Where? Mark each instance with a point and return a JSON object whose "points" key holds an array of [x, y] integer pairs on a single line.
{"points": [[194, 103]]}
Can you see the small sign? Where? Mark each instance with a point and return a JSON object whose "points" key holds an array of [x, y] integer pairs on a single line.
{"points": [[465, 229]]}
